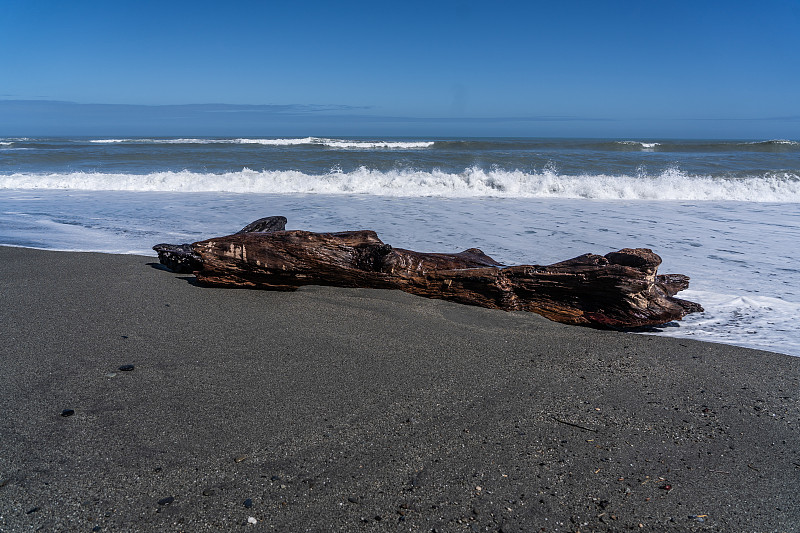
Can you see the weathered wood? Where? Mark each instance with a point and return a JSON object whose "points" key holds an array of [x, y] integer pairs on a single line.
{"points": [[179, 257], [265, 225], [182, 259], [618, 290]]}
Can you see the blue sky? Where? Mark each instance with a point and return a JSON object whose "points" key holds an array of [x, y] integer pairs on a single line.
{"points": [[570, 68]]}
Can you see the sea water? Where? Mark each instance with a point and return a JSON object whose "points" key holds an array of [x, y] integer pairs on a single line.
{"points": [[726, 213]]}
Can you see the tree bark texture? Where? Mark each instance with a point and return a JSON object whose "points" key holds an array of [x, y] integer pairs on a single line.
{"points": [[619, 290]]}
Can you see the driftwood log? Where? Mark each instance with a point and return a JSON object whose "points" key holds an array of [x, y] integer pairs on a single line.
{"points": [[618, 290], [181, 258]]}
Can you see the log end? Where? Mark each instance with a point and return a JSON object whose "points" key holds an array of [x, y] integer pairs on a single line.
{"points": [[180, 258]]}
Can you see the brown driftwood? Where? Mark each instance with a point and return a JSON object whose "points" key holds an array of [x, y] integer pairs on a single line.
{"points": [[619, 290], [181, 258]]}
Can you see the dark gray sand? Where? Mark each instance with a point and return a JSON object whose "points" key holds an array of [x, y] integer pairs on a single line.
{"points": [[362, 410]]}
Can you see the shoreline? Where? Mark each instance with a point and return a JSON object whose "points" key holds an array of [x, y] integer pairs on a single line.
{"points": [[333, 409]]}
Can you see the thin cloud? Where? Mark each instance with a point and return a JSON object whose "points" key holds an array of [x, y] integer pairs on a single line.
{"points": [[487, 120], [275, 109]]}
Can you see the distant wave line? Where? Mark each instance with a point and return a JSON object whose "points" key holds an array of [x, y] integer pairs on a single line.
{"points": [[464, 145], [319, 141], [776, 141]]}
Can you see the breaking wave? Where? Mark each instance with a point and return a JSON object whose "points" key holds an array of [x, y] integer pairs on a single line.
{"points": [[315, 141], [775, 142], [672, 184], [640, 144]]}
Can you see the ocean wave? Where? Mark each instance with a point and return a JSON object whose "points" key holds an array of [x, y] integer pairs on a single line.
{"points": [[776, 145], [162, 141], [775, 141], [405, 145], [6, 143], [274, 142], [671, 184], [338, 143], [316, 141], [640, 144]]}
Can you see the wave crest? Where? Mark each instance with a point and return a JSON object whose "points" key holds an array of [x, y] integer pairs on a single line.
{"points": [[640, 144], [775, 142], [316, 141], [671, 184]]}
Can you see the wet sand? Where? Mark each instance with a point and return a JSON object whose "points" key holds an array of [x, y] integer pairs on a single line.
{"points": [[364, 410]]}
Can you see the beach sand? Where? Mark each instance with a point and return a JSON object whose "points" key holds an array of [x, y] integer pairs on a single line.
{"points": [[363, 410]]}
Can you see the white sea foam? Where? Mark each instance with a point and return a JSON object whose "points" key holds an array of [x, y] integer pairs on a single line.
{"points": [[671, 184], [640, 143], [319, 141], [745, 320], [775, 141], [6, 143], [338, 143], [276, 142], [160, 141], [333, 143]]}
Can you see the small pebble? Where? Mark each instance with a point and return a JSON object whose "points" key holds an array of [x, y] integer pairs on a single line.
{"points": [[352, 499], [32, 510], [96, 528], [126, 368], [111, 375], [239, 459], [251, 520], [67, 412], [208, 492], [166, 501], [248, 503]]}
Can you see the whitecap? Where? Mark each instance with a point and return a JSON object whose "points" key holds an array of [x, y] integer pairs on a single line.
{"points": [[640, 143], [775, 141], [672, 184], [747, 320]]}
